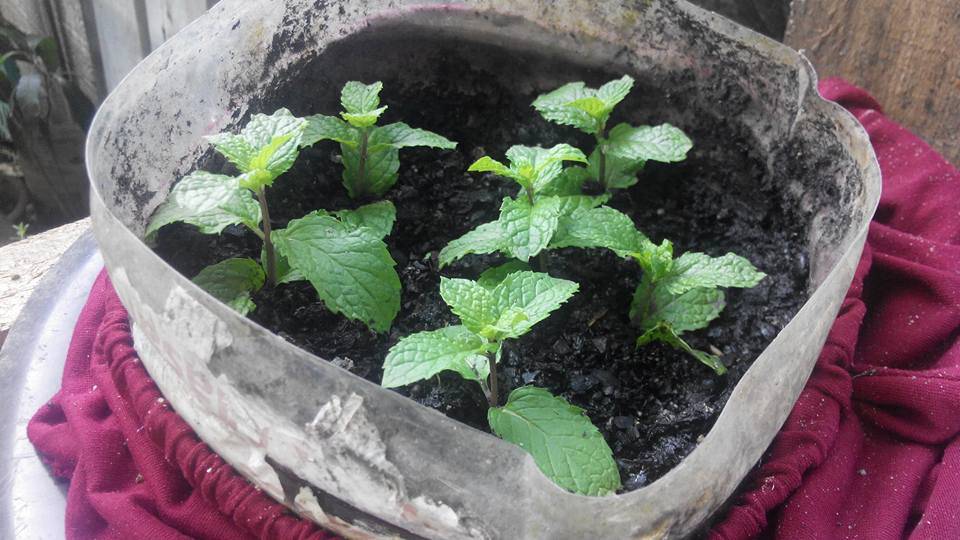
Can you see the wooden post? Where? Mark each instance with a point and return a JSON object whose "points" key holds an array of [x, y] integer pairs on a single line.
{"points": [[906, 53]]}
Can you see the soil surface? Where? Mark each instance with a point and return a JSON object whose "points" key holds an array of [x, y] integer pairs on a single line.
{"points": [[651, 404]]}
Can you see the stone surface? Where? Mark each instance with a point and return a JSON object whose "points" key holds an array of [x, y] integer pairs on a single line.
{"points": [[23, 264]]}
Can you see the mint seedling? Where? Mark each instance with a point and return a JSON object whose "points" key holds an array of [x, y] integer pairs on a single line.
{"points": [[679, 295], [620, 153], [528, 222], [674, 295], [341, 253], [370, 153], [499, 306]]}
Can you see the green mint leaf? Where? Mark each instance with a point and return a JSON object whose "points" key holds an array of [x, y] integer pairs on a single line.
{"points": [[211, 202], [527, 229], [565, 445], [399, 135], [424, 354], [359, 98], [569, 182], [378, 217], [328, 128], [350, 268], [620, 173], [540, 166], [648, 143], [592, 105], [613, 92], [602, 227], [656, 261], [265, 148], [232, 282], [555, 107], [535, 294], [691, 310], [486, 238], [694, 270], [488, 164], [363, 120], [491, 277], [664, 333], [380, 170], [473, 303]]}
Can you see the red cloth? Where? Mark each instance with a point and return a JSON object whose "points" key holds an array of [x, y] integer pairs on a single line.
{"points": [[872, 447], [871, 450], [136, 469]]}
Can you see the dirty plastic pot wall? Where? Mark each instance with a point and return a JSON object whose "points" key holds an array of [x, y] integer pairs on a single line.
{"points": [[365, 461]]}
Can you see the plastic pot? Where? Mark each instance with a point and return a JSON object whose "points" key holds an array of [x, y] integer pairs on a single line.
{"points": [[365, 461]]}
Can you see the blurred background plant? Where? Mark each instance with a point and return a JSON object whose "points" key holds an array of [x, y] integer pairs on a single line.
{"points": [[43, 116]]}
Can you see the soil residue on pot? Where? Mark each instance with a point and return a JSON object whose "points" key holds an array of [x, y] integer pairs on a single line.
{"points": [[652, 404]]}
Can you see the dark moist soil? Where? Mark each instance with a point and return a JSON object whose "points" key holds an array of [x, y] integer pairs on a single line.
{"points": [[652, 404]]}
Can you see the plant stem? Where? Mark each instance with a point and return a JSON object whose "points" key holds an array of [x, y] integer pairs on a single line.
{"points": [[362, 163], [602, 164], [267, 242], [494, 397]]}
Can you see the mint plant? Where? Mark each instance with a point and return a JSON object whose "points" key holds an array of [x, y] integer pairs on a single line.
{"points": [[675, 295], [370, 153], [505, 303], [529, 221], [621, 152], [341, 253], [680, 294]]}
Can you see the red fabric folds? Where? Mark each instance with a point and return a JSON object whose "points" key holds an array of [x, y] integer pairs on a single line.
{"points": [[872, 447], [136, 469]]}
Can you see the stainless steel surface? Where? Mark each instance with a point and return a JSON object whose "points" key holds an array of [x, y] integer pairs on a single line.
{"points": [[32, 504]]}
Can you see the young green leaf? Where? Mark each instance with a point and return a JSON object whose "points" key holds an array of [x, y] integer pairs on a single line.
{"points": [[209, 201], [555, 107], [602, 227], [350, 268], [424, 354], [493, 276], [527, 229], [691, 310], [568, 183], [535, 294], [399, 135], [473, 303], [232, 282], [663, 332], [265, 148], [648, 143], [320, 127], [378, 217], [656, 261], [619, 173], [695, 270], [486, 238], [359, 98], [584, 108], [370, 175], [564, 444], [533, 167]]}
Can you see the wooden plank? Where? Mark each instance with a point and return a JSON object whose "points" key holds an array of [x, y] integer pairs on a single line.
{"points": [[122, 35], [907, 54], [166, 17]]}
